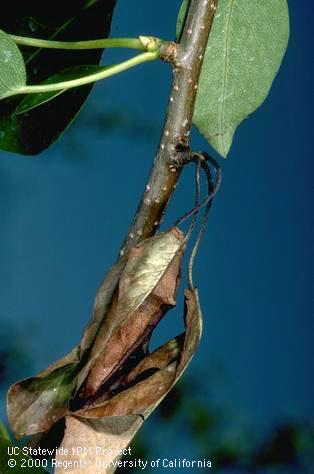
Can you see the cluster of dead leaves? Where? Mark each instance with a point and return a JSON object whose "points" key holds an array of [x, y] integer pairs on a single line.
{"points": [[108, 385]]}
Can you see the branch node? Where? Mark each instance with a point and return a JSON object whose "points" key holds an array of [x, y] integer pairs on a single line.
{"points": [[169, 51]]}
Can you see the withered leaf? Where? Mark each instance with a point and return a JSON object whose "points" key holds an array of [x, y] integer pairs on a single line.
{"points": [[102, 433], [115, 422], [194, 326], [159, 359], [152, 377], [101, 305], [146, 291], [164, 244], [34, 404], [147, 263]]}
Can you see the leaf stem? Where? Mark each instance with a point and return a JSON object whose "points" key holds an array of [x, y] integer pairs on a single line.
{"points": [[131, 43], [110, 71]]}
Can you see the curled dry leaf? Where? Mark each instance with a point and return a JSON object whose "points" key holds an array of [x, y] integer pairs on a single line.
{"points": [[124, 317], [91, 434], [101, 306], [115, 422], [146, 291], [34, 404]]}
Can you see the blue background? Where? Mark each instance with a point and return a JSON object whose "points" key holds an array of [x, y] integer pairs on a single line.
{"points": [[64, 213]]}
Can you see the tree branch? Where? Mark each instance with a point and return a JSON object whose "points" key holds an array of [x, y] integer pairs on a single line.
{"points": [[186, 60], [175, 136]]}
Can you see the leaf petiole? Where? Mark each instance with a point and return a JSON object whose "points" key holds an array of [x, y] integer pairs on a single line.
{"points": [[130, 43], [110, 71]]}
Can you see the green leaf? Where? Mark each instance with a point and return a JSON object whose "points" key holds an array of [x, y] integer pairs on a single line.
{"points": [[4, 432], [31, 101], [181, 18], [12, 68], [243, 55], [23, 462], [65, 21]]}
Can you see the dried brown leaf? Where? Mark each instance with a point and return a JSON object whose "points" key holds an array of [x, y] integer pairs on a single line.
{"points": [[146, 291], [115, 422], [35, 404], [102, 301], [124, 317], [194, 325], [110, 432], [168, 363], [152, 377]]}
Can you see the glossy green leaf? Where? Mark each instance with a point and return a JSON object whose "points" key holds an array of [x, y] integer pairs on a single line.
{"points": [[31, 101], [12, 68], [69, 20], [181, 18], [243, 55]]}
